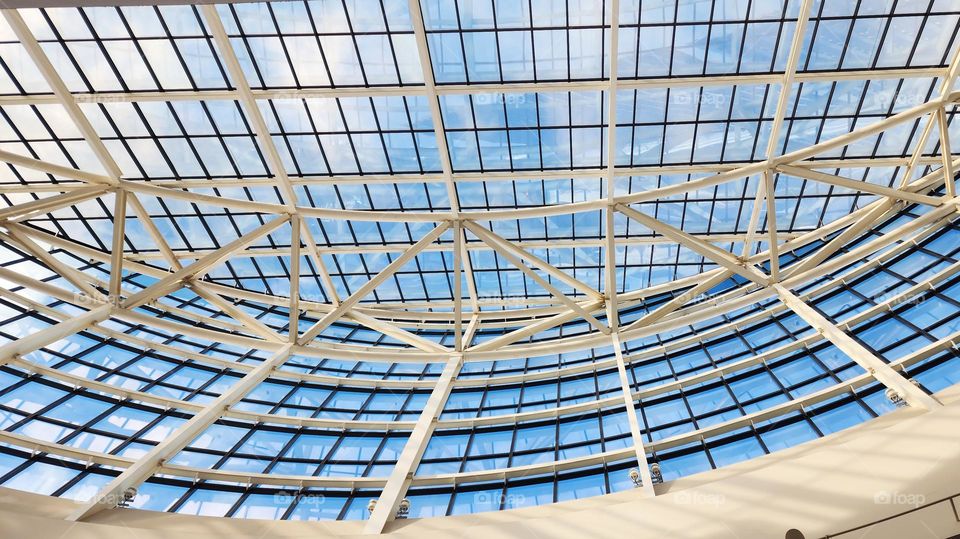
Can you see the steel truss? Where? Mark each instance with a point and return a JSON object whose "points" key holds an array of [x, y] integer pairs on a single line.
{"points": [[601, 309]]}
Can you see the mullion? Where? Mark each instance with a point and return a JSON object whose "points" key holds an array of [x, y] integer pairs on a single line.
{"points": [[356, 46]]}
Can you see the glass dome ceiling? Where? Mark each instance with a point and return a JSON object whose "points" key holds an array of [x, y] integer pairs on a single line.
{"points": [[499, 300]]}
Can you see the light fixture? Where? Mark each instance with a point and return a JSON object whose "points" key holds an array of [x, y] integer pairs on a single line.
{"points": [[895, 398], [655, 474], [635, 476], [403, 509], [371, 505], [128, 495]]}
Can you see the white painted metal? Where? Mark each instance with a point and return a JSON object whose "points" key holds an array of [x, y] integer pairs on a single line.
{"points": [[49, 204], [409, 459], [856, 351], [786, 90], [54, 333], [393, 319], [370, 285], [148, 464], [696, 245], [117, 247], [196, 270]]}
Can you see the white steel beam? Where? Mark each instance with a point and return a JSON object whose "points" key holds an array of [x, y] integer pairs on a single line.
{"points": [[395, 331], [505, 87], [772, 236], [786, 86], [228, 308], [679, 301], [144, 217], [856, 351], [409, 459], [472, 328], [552, 174], [76, 277], [646, 481], [148, 464], [948, 171], [259, 125], [874, 214], [860, 185], [433, 99], [116, 252], [54, 333], [610, 243], [63, 94], [536, 327], [370, 285], [499, 243], [707, 250], [458, 254], [197, 269], [449, 246], [33, 208], [54, 169], [916, 158], [294, 329]]}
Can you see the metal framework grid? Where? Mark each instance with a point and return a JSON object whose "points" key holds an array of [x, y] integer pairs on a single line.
{"points": [[135, 279]]}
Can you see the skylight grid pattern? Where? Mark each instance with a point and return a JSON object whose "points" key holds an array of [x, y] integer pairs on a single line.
{"points": [[281, 259]]}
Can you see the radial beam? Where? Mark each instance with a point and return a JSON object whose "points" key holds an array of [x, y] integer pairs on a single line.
{"points": [[406, 466], [63, 94], [610, 245], [646, 480], [148, 464], [857, 352], [433, 99]]}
